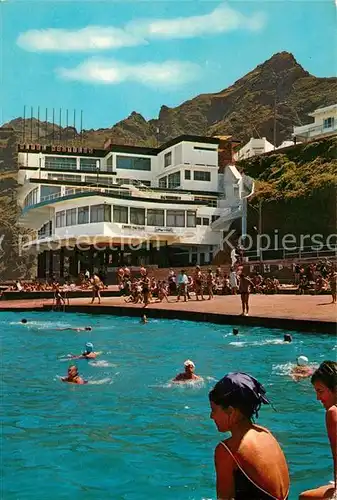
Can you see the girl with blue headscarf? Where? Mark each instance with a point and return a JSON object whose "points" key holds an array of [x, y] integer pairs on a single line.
{"points": [[250, 465]]}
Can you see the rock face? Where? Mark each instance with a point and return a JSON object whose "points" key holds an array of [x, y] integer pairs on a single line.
{"points": [[13, 263], [279, 88]]}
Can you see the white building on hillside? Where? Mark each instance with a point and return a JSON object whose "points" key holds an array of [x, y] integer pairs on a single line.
{"points": [[253, 148], [324, 125], [166, 206]]}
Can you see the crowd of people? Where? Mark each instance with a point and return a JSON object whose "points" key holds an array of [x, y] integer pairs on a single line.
{"points": [[200, 284], [203, 285]]}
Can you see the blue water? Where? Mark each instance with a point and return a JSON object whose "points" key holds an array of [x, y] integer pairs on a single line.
{"points": [[130, 434]]}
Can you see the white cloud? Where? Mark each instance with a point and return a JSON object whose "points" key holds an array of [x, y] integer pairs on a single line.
{"points": [[168, 74], [94, 38], [222, 19], [91, 38]]}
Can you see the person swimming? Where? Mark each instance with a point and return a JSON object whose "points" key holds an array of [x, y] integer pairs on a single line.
{"points": [[78, 329], [287, 338], [302, 369], [89, 352], [188, 374], [144, 319], [235, 331], [73, 376]]}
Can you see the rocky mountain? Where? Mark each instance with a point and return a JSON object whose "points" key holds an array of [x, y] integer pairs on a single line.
{"points": [[278, 91]]}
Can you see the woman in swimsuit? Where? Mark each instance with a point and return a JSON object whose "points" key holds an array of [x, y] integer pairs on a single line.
{"points": [[324, 380], [250, 465]]}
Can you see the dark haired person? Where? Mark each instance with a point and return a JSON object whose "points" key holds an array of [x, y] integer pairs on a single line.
{"points": [[73, 376], [250, 465], [245, 285], [324, 380]]}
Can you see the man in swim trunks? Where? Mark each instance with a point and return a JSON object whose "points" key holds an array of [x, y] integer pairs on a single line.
{"points": [[244, 290], [73, 376], [188, 374]]}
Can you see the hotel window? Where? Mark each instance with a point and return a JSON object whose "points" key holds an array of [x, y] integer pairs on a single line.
{"points": [[191, 218], [205, 221], [64, 177], [236, 191], [120, 214], [202, 175], [133, 163], [83, 215], [175, 218], [49, 191], [100, 213], [60, 219], [45, 230], [329, 122], [168, 159], [109, 164], [163, 183], [137, 216], [155, 217], [187, 175], [60, 163], [32, 198], [89, 164], [198, 221], [71, 218], [174, 180]]}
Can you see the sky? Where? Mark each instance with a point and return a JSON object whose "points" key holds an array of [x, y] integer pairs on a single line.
{"points": [[110, 58]]}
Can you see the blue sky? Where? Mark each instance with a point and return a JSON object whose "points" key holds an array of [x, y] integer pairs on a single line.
{"points": [[111, 58]]}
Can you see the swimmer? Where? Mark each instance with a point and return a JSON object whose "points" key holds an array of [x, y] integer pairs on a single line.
{"points": [[73, 376], [287, 338], [235, 331], [89, 352], [301, 370], [79, 329], [144, 319], [188, 374], [23, 321]]}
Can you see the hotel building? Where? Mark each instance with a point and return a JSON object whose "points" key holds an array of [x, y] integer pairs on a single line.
{"points": [[101, 208]]}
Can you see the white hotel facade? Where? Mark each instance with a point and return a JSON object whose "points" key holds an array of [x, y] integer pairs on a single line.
{"points": [[93, 209]]}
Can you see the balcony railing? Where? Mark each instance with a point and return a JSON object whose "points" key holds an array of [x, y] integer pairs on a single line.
{"points": [[313, 130]]}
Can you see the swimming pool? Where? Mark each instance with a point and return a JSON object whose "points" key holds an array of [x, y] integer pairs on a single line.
{"points": [[130, 434]]}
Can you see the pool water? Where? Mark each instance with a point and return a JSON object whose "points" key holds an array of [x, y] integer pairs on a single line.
{"points": [[130, 434]]}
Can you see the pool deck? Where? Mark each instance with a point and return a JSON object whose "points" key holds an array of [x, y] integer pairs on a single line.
{"points": [[308, 313]]}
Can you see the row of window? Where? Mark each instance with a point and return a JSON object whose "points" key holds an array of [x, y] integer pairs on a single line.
{"points": [[125, 215], [90, 164], [174, 180], [31, 198], [168, 156]]}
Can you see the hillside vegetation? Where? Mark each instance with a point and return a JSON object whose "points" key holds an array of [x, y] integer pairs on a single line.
{"points": [[297, 188]]}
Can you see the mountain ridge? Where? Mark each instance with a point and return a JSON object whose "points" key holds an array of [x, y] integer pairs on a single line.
{"points": [[278, 90]]}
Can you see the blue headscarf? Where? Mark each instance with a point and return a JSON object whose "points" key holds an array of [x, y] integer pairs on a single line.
{"points": [[241, 391]]}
